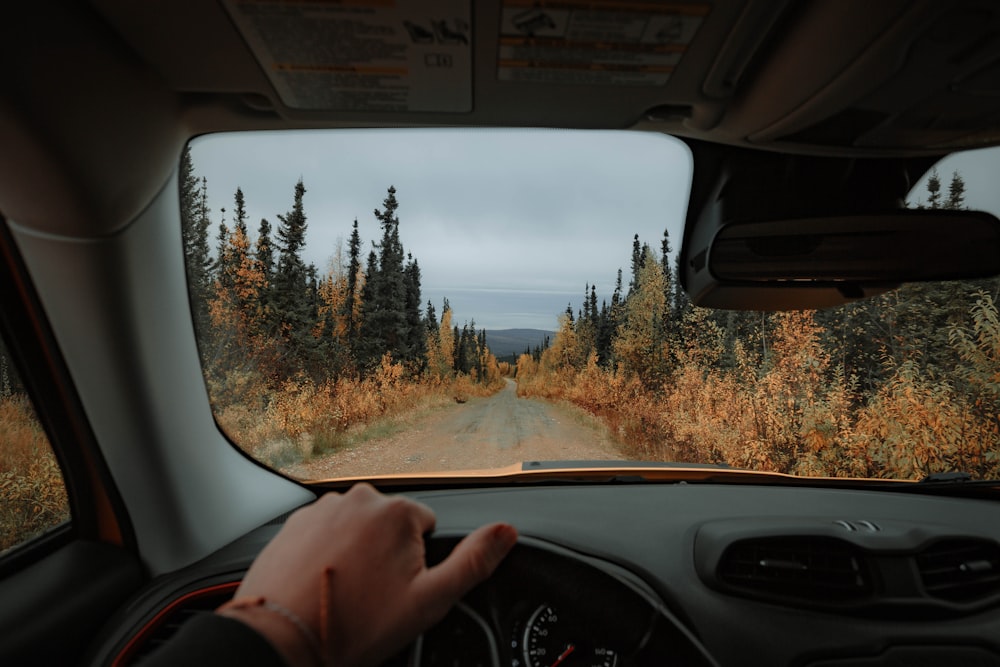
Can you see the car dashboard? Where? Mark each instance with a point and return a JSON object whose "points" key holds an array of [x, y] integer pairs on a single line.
{"points": [[693, 574]]}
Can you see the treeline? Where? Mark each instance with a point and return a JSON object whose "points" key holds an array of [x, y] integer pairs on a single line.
{"points": [[902, 385], [354, 342]]}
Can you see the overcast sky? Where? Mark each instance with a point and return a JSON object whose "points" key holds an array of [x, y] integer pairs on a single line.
{"points": [[508, 224]]}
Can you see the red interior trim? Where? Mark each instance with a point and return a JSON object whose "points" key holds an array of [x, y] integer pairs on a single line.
{"points": [[125, 655]]}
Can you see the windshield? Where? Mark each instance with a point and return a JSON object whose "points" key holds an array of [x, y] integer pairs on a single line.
{"points": [[375, 302]]}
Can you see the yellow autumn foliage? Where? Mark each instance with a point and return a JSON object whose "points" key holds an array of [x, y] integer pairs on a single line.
{"points": [[792, 411]]}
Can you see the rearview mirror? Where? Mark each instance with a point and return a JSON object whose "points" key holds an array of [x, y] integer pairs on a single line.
{"points": [[814, 262]]}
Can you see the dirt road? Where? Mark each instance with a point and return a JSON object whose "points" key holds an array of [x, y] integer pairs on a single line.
{"points": [[483, 433]]}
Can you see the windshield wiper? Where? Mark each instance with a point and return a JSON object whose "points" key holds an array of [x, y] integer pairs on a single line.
{"points": [[955, 483], [563, 465], [954, 477]]}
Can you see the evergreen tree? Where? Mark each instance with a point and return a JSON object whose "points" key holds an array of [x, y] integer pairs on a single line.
{"points": [[263, 253], [430, 320], [669, 326], [367, 348], [246, 277], [637, 260], [222, 268], [293, 297], [416, 337], [605, 335], [616, 298], [194, 233], [353, 271], [240, 213], [470, 350], [263, 250], [956, 192], [934, 190], [312, 292], [386, 327], [666, 268], [290, 275]]}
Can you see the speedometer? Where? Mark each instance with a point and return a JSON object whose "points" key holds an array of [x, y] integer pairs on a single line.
{"points": [[551, 641]]}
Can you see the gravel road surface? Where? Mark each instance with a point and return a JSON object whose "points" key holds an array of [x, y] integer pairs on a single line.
{"points": [[482, 433]]}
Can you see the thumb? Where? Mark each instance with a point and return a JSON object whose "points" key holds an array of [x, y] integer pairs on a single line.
{"points": [[471, 562]]}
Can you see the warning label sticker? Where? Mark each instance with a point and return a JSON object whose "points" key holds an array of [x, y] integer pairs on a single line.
{"points": [[604, 42], [362, 55]]}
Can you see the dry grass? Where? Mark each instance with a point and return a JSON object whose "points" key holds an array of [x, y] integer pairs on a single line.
{"points": [[304, 419], [32, 494]]}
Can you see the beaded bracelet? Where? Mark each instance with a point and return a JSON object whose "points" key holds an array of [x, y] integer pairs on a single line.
{"points": [[260, 602]]}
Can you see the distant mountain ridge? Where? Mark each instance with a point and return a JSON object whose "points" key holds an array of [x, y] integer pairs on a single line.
{"points": [[508, 342]]}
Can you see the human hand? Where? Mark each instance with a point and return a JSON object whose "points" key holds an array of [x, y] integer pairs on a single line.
{"points": [[368, 550]]}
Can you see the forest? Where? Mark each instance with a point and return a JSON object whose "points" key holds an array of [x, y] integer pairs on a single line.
{"points": [[296, 359], [300, 361], [903, 385]]}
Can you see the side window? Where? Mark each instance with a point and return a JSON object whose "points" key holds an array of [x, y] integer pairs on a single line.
{"points": [[32, 493]]}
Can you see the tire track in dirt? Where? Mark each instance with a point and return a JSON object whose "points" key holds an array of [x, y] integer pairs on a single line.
{"points": [[489, 432]]}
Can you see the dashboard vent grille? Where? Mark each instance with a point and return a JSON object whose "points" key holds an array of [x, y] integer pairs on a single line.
{"points": [[169, 621], [960, 570], [817, 569]]}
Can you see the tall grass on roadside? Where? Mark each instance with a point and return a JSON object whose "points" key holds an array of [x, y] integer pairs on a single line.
{"points": [[32, 493], [303, 419]]}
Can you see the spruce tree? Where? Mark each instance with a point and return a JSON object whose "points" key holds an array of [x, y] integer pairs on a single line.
{"points": [[934, 190], [293, 313], [367, 347], [667, 267], [416, 335], [290, 275], [263, 250], [956, 192], [605, 334], [385, 325], [353, 269], [430, 320], [194, 233], [240, 213], [669, 326], [221, 267], [637, 260]]}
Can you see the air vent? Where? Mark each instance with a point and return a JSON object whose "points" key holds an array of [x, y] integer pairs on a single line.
{"points": [[166, 624], [817, 570], [961, 570]]}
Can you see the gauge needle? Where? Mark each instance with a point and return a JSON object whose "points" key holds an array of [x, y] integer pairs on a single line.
{"points": [[565, 654]]}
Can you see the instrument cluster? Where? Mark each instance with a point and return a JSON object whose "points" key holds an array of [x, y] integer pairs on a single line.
{"points": [[546, 607]]}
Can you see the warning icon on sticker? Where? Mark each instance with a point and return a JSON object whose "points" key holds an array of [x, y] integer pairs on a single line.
{"points": [[534, 22]]}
